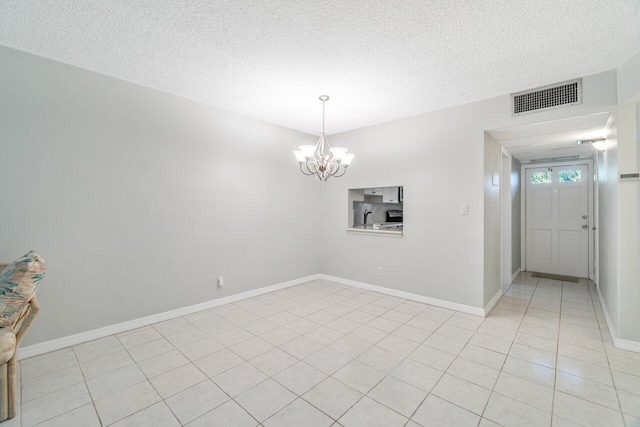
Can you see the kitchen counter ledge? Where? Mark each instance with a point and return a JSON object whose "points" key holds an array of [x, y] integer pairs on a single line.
{"points": [[368, 229]]}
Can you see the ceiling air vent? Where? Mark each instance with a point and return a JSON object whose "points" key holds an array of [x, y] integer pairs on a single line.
{"points": [[547, 97]]}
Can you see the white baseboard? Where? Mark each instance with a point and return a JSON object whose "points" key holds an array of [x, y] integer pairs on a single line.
{"points": [[492, 303], [407, 295], [57, 344], [515, 274], [617, 342], [627, 345]]}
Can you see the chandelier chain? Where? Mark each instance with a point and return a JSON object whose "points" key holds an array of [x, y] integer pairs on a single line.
{"points": [[323, 102]]}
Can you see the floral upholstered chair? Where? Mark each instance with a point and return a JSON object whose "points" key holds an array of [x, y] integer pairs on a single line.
{"points": [[18, 308]]}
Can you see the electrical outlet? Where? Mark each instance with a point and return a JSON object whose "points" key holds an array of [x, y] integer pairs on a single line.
{"points": [[220, 281], [464, 209], [379, 271]]}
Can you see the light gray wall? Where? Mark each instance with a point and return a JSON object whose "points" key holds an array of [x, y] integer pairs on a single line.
{"points": [[439, 159], [628, 81], [416, 153], [516, 219], [492, 219], [629, 200], [619, 209], [628, 224], [138, 199]]}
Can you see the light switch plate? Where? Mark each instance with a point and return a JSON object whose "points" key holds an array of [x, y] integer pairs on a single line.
{"points": [[464, 209], [495, 178]]}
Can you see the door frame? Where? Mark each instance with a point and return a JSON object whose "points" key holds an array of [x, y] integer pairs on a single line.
{"points": [[506, 275], [523, 211], [594, 271]]}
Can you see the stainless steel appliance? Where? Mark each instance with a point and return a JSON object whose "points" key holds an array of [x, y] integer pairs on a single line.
{"points": [[394, 216]]}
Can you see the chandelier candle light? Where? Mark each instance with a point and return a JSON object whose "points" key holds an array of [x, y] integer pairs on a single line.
{"points": [[321, 160]]}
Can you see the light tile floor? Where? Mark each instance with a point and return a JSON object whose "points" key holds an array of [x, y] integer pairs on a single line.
{"points": [[323, 354]]}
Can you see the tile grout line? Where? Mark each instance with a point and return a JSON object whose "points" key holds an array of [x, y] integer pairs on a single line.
{"points": [[93, 403], [608, 366], [407, 357], [370, 345], [343, 316], [505, 359], [509, 351], [555, 371], [355, 358], [403, 360], [606, 355], [328, 376], [171, 370], [445, 373], [268, 377], [233, 398], [624, 421], [136, 363], [147, 379], [245, 359]]}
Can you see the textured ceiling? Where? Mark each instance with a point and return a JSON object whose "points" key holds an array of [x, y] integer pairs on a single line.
{"points": [[378, 60], [553, 139]]}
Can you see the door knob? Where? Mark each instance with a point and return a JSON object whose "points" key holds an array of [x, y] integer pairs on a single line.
{"points": [[585, 226], [584, 217]]}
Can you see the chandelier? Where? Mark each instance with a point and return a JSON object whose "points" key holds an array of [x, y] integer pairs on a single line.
{"points": [[321, 160]]}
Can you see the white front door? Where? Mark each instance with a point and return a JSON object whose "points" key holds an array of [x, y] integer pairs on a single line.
{"points": [[557, 222]]}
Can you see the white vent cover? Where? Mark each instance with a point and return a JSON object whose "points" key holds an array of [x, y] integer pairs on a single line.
{"points": [[632, 176], [548, 97]]}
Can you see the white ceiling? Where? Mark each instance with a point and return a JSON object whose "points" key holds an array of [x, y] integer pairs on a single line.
{"points": [[554, 139], [378, 60]]}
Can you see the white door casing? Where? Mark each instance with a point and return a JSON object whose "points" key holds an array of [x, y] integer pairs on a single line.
{"points": [[558, 219], [505, 225]]}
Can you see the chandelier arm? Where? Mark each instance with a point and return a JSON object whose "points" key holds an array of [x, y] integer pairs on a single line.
{"points": [[331, 171], [303, 172], [343, 172], [337, 169], [313, 169], [310, 170]]}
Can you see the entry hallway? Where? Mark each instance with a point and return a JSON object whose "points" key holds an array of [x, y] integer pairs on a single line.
{"points": [[326, 354]]}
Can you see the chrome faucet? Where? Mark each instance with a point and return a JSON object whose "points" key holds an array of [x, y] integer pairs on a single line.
{"points": [[366, 214]]}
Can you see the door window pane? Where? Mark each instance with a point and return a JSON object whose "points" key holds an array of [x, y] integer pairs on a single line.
{"points": [[570, 176], [540, 177]]}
